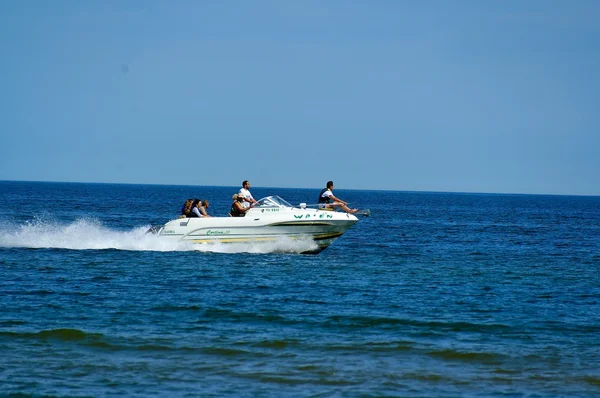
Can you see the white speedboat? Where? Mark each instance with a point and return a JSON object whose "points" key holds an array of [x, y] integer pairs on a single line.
{"points": [[271, 218]]}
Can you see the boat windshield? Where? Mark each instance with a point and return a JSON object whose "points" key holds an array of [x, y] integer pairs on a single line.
{"points": [[272, 201]]}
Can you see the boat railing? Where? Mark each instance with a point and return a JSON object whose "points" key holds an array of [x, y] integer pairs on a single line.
{"points": [[277, 201], [309, 206]]}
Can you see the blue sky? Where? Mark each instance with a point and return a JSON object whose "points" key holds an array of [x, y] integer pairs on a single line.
{"points": [[458, 96]]}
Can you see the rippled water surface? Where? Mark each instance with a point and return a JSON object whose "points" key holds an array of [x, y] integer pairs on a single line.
{"points": [[435, 294]]}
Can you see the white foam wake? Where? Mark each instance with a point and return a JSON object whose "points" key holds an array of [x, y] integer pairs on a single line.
{"points": [[86, 234]]}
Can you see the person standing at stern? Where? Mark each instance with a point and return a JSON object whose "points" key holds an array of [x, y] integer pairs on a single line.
{"points": [[245, 192]]}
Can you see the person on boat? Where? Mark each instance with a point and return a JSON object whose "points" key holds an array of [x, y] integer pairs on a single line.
{"points": [[248, 200], [196, 205], [203, 207], [328, 201], [186, 209], [237, 208]]}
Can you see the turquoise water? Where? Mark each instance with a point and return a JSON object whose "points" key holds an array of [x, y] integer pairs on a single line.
{"points": [[435, 294]]}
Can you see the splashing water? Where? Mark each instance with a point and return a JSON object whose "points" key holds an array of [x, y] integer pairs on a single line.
{"points": [[90, 234]]}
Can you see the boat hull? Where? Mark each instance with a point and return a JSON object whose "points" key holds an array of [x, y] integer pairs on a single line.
{"points": [[261, 226]]}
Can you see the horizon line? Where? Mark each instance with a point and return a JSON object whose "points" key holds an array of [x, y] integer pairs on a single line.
{"points": [[341, 189]]}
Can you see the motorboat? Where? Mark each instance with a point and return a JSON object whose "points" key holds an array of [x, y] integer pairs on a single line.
{"points": [[269, 219]]}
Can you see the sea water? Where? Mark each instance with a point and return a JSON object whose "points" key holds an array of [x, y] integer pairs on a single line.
{"points": [[434, 295]]}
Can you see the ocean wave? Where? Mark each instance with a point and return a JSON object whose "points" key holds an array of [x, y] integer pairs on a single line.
{"points": [[169, 308], [62, 334], [102, 342], [94, 340], [467, 356], [372, 321], [391, 346], [593, 380], [240, 316], [276, 344]]}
